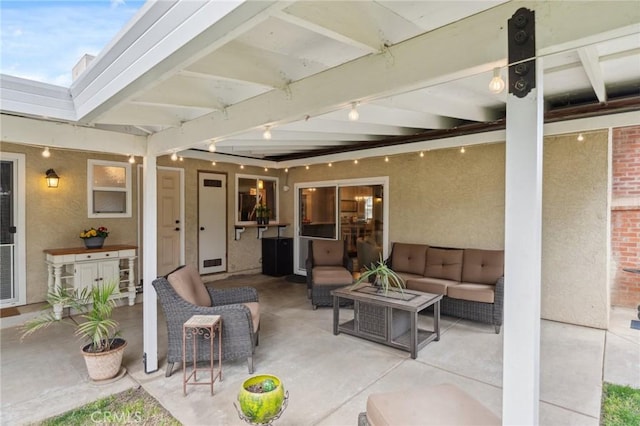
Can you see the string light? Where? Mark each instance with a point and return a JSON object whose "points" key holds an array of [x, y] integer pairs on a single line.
{"points": [[306, 167], [212, 147], [580, 137], [267, 133], [330, 164], [355, 161], [386, 159], [181, 158], [46, 153], [132, 159], [266, 169], [213, 163], [496, 85], [421, 154], [242, 166], [462, 150], [174, 157], [286, 170], [353, 114]]}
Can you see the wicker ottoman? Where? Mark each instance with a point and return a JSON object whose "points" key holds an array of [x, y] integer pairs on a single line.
{"points": [[325, 280], [444, 404]]}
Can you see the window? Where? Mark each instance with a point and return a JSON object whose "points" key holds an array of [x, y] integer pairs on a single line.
{"points": [[252, 191], [108, 189]]}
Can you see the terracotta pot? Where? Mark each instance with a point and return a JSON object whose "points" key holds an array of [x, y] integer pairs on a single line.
{"points": [[104, 365]]}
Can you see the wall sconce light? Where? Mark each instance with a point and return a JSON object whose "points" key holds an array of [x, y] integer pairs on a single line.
{"points": [[52, 178], [496, 85]]}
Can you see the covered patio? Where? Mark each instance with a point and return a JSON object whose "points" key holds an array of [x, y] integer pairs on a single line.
{"points": [[328, 377]]}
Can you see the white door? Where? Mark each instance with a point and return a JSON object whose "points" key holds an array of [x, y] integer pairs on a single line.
{"points": [[170, 225], [13, 288], [212, 222]]}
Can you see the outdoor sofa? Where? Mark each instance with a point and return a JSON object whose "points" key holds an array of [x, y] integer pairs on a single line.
{"points": [[471, 280]]}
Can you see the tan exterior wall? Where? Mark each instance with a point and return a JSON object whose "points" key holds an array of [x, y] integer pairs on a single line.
{"points": [[444, 198], [575, 234], [451, 199], [56, 216]]}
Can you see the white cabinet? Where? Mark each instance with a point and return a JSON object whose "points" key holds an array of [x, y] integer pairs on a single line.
{"points": [[80, 268]]}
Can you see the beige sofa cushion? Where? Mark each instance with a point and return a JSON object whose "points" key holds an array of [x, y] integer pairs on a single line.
{"points": [[482, 266], [444, 263], [328, 252], [430, 285], [254, 307], [409, 258], [443, 404], [331, 275], [484, 293], [187, 283]]}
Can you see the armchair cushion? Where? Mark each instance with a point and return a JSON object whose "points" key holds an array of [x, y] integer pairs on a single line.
{"points": [[331, 275], [254, 307], [328, 252], [187, 283]]}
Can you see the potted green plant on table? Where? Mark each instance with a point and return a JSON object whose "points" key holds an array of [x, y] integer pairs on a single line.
{"points": [[381, 276], [103, 353]]}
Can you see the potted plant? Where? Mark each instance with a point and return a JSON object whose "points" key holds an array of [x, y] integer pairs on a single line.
{"points": [[381, 276], [94, 238], [266, 213], [259, 214], [103, 353]]}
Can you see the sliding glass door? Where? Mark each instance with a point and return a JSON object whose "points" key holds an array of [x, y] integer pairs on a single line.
{"points": [[348, 210]]}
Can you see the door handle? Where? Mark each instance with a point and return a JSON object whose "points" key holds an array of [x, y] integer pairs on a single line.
{"points": [[202, 228]]}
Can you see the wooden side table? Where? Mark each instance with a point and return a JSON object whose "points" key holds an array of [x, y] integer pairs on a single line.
{"points": [[205, 326]]}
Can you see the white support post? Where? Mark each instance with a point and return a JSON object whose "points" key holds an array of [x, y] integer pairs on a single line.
{"points": [[523, 235], [149, 265]]}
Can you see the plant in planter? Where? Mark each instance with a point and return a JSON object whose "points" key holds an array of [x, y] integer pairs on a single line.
{"points": [[266, 213], [259, 213], [262, 399], [381, 276], [103, 353], [94, 238]]}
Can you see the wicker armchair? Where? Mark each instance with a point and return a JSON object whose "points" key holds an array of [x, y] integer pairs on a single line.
{"points": [[238, 308], [328, 267]]}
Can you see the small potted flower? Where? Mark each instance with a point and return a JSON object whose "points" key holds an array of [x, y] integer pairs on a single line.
{"points": [[94, 238]]}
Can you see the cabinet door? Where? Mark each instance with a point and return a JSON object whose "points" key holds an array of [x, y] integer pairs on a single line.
{"points": [[86, 275], [109, 271]]}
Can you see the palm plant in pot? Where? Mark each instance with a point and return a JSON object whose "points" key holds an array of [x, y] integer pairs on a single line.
{"points": [[103, 353], [381, 276]]}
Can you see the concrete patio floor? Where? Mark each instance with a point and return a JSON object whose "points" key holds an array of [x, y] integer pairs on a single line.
{"points": [[328, 377]]}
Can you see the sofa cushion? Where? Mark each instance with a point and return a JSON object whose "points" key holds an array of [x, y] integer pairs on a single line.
{"points": [[409, 258], [443, 404], [328, 252], [187, 283], [430, 285], [254, 307], [331, 275], [482, 266], [444, 263], [406, 276], [473, 292]]}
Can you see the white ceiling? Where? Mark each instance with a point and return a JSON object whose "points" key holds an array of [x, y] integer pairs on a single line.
{"points": [[189, 73]]}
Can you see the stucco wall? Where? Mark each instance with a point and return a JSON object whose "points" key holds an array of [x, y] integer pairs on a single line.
{"points": [[444, 198], [452, 199], [56, 216], [575, 230], [244, 255]]}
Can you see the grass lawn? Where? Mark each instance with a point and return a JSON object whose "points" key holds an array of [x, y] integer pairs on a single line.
{"points": [[133, 406], [620, 405]]}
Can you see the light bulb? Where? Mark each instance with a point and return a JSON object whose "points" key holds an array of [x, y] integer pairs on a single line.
{"points": [[580, 137], [132, 159], [355, 161], [266, 169], [330, 164], [496, 85], [181, 158], [242, 166], [306, 167], [267, 133], [421, 154], [212, 147], [213, 163], [353, 114], [286, 170], [174, 156], [386, 159], [46, 153], [462, 150]]}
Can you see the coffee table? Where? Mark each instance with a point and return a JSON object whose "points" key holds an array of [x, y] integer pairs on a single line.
{"points": [[390, 319]]}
